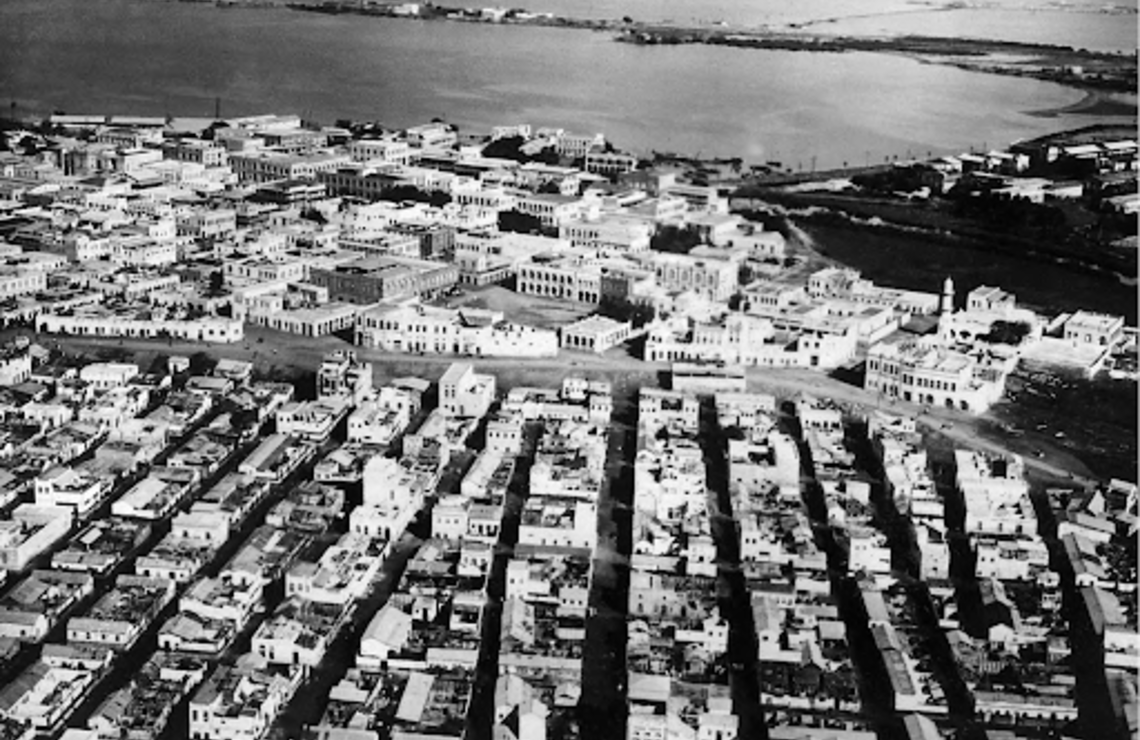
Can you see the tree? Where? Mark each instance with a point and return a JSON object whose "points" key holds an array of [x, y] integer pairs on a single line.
{"points": [[508, 147], [208, 133], [1006, 332], [675, 239], [746, 274], [549, 155], [402, 193], [519, 222], [217, 284], [621, 309], [312, 214], [201, 363]]}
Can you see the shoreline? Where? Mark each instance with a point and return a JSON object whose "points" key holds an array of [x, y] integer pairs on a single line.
{"points": [[1094, 103], [1082, 69]]}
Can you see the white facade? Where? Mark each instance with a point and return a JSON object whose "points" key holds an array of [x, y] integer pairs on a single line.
{"points": [[930, 372], [559, 523], [218, 330], [423, 329], [463, 393], [240, 703], [30, 531]]}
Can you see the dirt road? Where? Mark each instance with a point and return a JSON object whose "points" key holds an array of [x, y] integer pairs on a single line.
{"points": [[269, 349]]}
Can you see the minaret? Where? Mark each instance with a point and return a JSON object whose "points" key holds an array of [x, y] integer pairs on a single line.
{"points": [[946, 307]]}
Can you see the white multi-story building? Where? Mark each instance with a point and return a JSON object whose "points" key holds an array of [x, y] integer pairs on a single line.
{"points": [[30, 531], [557, 523], [996, 494], [241, 702], [312, 420], [933, 553], [552, 210], [657, 408], [386, 151], [714, 279], [15, 368], [573, 278], [601, 162], [106, 375], [869, 553], [463, 393], [344, 573], [742, 339], [259, 167], [419, 329], [392, 495], [377, 423], [846, 284], [431, 136], [1097, 329], [21, 282], [577, 146], [608, 233], [75, 489], [931, 372], [449, 518]]}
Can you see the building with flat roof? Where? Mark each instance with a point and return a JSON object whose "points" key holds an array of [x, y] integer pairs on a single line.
{"points": [[343, 574], [156, 495], [463, 393], [934, 373], [713, 279], [378, 278], [35, 605], [1086, 327], [30, 532], [261, 167], [142, 709], [474, 332], [121, 615], [595, 334], [48, 691], [241, 701], [101, 546]]}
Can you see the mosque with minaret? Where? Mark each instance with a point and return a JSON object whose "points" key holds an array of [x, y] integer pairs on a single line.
{"points": [[956, 366]]}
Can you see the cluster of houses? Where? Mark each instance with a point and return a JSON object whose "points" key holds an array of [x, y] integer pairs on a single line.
{"points": [[245, 529], [802, 649], [195, 230], [1093, 167], [1000, 600], [677, 649], [182, 519], [250, 538]]}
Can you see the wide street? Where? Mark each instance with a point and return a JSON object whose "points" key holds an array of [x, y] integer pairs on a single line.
{"points": [[289, 353]]}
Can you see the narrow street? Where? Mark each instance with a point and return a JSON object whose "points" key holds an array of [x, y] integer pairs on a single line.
{"points": [[734, 597]]}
